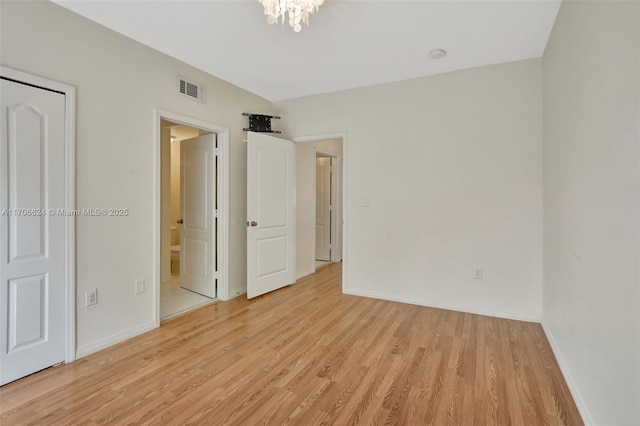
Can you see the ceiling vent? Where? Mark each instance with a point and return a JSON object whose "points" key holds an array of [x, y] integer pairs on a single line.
{"points": [[191, 89]]}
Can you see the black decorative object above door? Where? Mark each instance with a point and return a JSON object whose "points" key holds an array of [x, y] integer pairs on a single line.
{"points": [[260, 123]]}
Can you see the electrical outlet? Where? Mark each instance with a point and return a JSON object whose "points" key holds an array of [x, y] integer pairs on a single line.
{"points": [[139, 286], [91, 297], [477, 274]]}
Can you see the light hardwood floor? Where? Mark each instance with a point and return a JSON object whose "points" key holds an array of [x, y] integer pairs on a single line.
{"points": [[306, 355]]}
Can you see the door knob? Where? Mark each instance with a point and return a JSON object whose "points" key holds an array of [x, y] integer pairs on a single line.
{"points": [[254, 223], [180, 221]]}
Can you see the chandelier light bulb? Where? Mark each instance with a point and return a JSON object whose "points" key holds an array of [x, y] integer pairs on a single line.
{"points": [[295, 11]]}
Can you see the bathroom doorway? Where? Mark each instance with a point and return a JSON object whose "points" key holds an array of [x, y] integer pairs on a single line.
{"points": [[188, 212]]}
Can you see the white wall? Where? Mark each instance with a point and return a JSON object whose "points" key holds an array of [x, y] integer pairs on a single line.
{"points": [[452, 168], [591, 292], [305, 200], [121, 81]]}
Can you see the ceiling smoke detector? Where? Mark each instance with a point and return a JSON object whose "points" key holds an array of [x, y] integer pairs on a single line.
{"points": [[437, 54]]}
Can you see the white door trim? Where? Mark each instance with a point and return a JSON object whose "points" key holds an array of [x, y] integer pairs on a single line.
{"points": [[70, 196], [222, 249], [344, 204]]}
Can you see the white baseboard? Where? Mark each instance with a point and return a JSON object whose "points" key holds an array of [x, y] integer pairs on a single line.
{"points": [[459, 308], [85, 350], [305, 274], [564, 368], [237, 292]]}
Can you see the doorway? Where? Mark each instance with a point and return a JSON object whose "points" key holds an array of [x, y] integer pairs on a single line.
{"points": [[325, 208], [188, 164], [320, 227], [191, 215]]}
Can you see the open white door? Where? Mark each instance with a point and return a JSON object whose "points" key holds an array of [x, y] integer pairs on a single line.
{"points": [[323, 209], [198, 212], [32, 230], [270, 213]]}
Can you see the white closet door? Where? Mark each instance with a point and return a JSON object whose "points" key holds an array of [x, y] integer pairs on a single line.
{"points": [[32, 236]]}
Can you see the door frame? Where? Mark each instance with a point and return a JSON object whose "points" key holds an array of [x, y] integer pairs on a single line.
{"points": [[69, 93], [222, 248], [344, 201]]}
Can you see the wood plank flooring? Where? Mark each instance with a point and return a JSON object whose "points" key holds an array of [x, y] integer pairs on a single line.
{"points": [[307, 355]]}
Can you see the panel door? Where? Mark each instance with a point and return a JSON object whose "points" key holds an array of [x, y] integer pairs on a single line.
{"points": [[32, 230], [198, 211], [270, 213]]}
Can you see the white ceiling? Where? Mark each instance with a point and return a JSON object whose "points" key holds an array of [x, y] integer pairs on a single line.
{"points": [[348, 43]]}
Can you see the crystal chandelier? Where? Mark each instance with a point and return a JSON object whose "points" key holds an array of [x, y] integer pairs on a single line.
{"points": [[297, 10]]}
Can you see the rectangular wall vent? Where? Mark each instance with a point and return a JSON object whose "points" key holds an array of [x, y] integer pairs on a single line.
{"points": [[191, 89]]}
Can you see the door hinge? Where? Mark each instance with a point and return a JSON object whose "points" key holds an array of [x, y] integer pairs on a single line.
{"points": [[216, 213], [216, 151]]}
